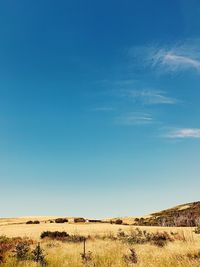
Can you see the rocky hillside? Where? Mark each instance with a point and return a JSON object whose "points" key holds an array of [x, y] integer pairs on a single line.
{"points": [[182, 215]]}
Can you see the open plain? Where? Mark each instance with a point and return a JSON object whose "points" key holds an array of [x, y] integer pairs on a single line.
{"points": [[107, 245]]}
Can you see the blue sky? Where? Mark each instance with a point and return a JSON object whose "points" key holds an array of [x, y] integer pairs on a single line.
{"points": [[99, 106]]}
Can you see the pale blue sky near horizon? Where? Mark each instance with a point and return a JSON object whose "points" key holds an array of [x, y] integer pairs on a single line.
{"points": [[99, 106]]}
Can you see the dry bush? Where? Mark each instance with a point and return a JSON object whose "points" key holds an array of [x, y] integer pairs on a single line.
{"points": [[10, 244], [62, 236], [79, 220], [6, 245], [76, 238], [194, 256], [21, 250], [118, 221], [95, 221], [132, 257], [38, 255], [197, 230], [61, 220], [160, 239], [33, 222], [138, 236], [86, 257], [54, 235]]}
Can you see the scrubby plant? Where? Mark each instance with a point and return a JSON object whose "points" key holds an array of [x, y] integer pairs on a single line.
{"points": [[197, 230], [132, 257], [38, 255], [121, 234], [94, 221], [33, 222], [62, 236], [194, 256], [118, 221], [86, 257], [54, 235], [61, 220], [79, 220], [138, 236], [8, 245], [21, 250], [75, 238], [29, 222], [160, 239], [5, 246]]}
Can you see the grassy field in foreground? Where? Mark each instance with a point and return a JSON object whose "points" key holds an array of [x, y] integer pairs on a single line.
{"points": [[106, 250]]}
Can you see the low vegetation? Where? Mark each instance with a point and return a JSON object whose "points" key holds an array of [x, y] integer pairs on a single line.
{"points": [[61, 220], [131, 247], [62, 236], [132, 257], [16, 245], [197, 230], [33, 222], [138, 236], [117, 221], [79, 220]]}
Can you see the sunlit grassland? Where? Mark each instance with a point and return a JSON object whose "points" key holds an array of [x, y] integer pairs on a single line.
{"points": [[105, 251]]}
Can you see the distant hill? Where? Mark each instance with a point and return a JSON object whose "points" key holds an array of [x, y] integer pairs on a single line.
{"points": [[182, 215]]}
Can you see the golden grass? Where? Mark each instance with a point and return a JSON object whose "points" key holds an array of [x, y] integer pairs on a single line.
{"points": [[106, 253], [110, 254]]}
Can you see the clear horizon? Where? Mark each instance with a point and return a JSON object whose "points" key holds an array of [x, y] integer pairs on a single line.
{"points": [[99, 107]]}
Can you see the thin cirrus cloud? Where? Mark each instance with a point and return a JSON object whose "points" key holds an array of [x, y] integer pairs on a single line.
{"points": [[134, 118], [150, 97], [174, 61], [168, 58], [184, 133]]}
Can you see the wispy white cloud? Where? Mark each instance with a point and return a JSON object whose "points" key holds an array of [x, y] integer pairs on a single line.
{"points": [[134, 118], [184, 133], [150, 97], [169, 58], [174, 60]]}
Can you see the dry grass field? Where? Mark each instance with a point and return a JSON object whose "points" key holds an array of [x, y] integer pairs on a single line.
{"points": [[106, 249]]}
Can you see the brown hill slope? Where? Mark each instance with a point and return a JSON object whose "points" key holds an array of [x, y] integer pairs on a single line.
{"points": [[182, 215]]}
